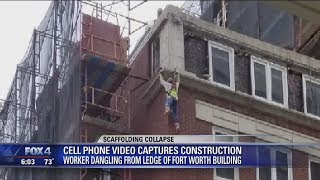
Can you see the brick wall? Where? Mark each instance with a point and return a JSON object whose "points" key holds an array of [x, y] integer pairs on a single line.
{"points": [[247, 173], [137, 108], [300, 164], [242, 73], [101, 42], [155, 123], [172, 174], [150, 119]]}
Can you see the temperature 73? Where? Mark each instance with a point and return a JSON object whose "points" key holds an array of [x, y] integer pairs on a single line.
{"points": [[48, 161]]}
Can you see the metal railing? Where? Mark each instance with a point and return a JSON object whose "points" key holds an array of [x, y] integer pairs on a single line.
{"points": [[113, 105]]}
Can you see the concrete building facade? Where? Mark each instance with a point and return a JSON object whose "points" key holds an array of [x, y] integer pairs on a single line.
{"points": [[230, 84]]}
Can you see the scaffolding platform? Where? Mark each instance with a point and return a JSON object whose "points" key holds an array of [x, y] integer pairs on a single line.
{"points": [[97, 127], [104, 74], [101, 81]]}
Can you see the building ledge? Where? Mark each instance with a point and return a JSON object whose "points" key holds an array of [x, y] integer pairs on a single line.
{"points": [[192, 82], [243, 99]]}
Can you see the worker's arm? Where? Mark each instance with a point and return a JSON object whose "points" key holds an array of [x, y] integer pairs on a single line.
{"points": [[166, 85], [177, 79]]}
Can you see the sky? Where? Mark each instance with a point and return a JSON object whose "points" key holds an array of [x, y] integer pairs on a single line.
{"points": [[19, 18]]}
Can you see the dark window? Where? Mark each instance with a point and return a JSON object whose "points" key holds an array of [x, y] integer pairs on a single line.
{"points": [[264, 156], [227, 173], [282, 170], [271, 156], [265, 173], [155, 57], [220, 66], [260, 80], [314, 170], [313, 98], [277, 86]]}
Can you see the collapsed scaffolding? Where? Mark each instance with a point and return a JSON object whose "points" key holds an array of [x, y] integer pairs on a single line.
{"points": [[69, 87], [47, 53]]}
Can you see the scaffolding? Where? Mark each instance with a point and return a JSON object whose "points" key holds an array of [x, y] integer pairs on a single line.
{"points": [[48, 52], [66, 42], [192, 8]]}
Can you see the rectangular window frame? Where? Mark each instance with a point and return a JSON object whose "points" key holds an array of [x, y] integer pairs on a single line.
{"points": [[269, 65], [274, 169], [306, 78], [215, 130], [312, 159], [231, 64]]}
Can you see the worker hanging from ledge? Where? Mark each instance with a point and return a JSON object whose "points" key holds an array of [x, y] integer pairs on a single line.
{"points": [[171, 87]]}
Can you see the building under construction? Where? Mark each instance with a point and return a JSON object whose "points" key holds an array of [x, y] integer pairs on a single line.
{"points": [[69, 87], [77, 82]]}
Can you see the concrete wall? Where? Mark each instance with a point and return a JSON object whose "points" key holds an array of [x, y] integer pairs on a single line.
{"points": [[197, 62], [295, 91], [196, 55], [242, 73], [172, 44]]}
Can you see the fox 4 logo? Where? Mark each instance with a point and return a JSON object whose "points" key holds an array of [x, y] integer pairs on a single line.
{"points": [[37, 151]]}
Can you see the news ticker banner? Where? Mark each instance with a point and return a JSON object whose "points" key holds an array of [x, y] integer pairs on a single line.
{"points": [[195, 151]]}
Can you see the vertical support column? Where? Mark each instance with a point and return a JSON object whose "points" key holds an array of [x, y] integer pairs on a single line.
{"points": [[83, 139], [38, 53], [97, 15], [129, 105], [129, 21], [101, 8], [55, 81], [55, 29], [223, 13], [116, 102], [54, 64], [16, 106], [172, 44], [33, 88], [86, 86], [92, 95]]}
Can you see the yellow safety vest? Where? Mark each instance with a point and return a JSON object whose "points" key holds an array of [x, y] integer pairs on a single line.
{"points": [[173, 93]]}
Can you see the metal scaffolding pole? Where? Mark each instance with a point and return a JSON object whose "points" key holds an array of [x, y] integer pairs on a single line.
{"points": [[33, 91], [54, 63], [16, 107]]}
